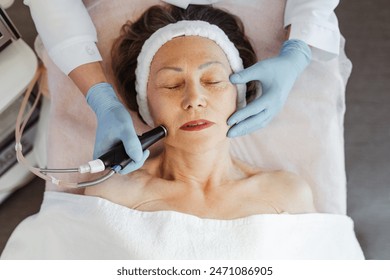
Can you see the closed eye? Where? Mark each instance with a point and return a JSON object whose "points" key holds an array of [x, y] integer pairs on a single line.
{"points": [[215, 84], [212, 82], [172, 87]]}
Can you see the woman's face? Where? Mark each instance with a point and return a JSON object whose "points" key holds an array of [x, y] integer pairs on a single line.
{"points": [[190, 93]]}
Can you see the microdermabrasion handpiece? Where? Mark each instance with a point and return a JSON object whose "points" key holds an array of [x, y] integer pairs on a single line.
{"points": [[117, 155]]}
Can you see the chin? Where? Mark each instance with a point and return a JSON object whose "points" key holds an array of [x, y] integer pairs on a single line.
{"points": [[198, 141]]}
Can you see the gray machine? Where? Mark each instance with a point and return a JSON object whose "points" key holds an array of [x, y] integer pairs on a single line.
{"points": [[18, 64]]}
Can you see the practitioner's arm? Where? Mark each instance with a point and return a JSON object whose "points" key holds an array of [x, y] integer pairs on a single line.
{"points": [[87, 75], [69, 36], [308, 22], [67, 32], [315, 23]]}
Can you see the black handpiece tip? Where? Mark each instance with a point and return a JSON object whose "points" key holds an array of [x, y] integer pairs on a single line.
{"points": [[152, 136], [117, 155], [165, 130]]}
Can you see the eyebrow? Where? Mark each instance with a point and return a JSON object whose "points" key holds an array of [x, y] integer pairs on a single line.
{"points": [[207, 64], [202, 66], [177, 69]]}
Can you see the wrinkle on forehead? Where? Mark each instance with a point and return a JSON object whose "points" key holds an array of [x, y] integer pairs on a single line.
{"points": [[189, 48]]}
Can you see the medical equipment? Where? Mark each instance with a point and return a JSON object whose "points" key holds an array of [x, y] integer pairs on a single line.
{"points": [[114, 160], [117, 154], [8, 31], [18, 64]]}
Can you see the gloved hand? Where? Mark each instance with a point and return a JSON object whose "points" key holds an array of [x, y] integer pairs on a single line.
{"points": [[114, 124], [277, 76]]}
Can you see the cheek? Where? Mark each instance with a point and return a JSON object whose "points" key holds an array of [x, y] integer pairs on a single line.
{"points": [[228, 105], [156, 109], [153, 103], [161, 110]]}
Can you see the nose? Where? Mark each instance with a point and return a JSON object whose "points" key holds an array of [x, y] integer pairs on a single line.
{"points": [[194, 97]]}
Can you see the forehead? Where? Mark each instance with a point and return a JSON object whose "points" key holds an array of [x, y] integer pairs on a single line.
{"points": [[191, 49]]}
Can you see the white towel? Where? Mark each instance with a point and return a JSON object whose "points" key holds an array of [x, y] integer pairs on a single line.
{"points": [[80, 227]]}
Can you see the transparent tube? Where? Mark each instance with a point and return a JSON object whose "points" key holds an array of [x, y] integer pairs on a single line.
{"points": [[21, 122]]}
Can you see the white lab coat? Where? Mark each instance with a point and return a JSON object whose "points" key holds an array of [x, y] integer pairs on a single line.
{"points": [[70, 37]]}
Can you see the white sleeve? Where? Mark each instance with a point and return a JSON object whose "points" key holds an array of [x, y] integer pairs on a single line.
{"points": [[67, 32], [314, 22]]}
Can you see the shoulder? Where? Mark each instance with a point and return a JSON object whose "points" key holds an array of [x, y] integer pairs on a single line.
{"points": [[121, 189], [292, 193], [127, 189]]}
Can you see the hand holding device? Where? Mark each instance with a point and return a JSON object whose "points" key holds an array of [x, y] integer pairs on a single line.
{"points": [[114, 125]]}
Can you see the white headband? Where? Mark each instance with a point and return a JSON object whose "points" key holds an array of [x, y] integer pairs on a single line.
{"points": [[167, 33]]}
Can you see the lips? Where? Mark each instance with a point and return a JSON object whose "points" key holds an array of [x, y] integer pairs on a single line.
{"points": [[196, 125]]}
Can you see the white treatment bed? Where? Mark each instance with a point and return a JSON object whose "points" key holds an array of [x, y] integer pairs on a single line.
{"points": [[305, 138]]}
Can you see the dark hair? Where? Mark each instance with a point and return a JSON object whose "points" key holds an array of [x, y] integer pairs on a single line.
{"points": [[128, 45]]}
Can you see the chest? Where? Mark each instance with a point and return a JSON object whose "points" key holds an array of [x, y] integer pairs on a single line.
{"points": [[224, 202]]}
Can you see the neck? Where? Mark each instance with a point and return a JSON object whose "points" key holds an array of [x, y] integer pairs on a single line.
{"points": [[202, 169]]}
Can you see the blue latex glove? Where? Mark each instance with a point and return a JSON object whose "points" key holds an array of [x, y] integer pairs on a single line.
{"points": [[277, 76], [114, 124]]}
